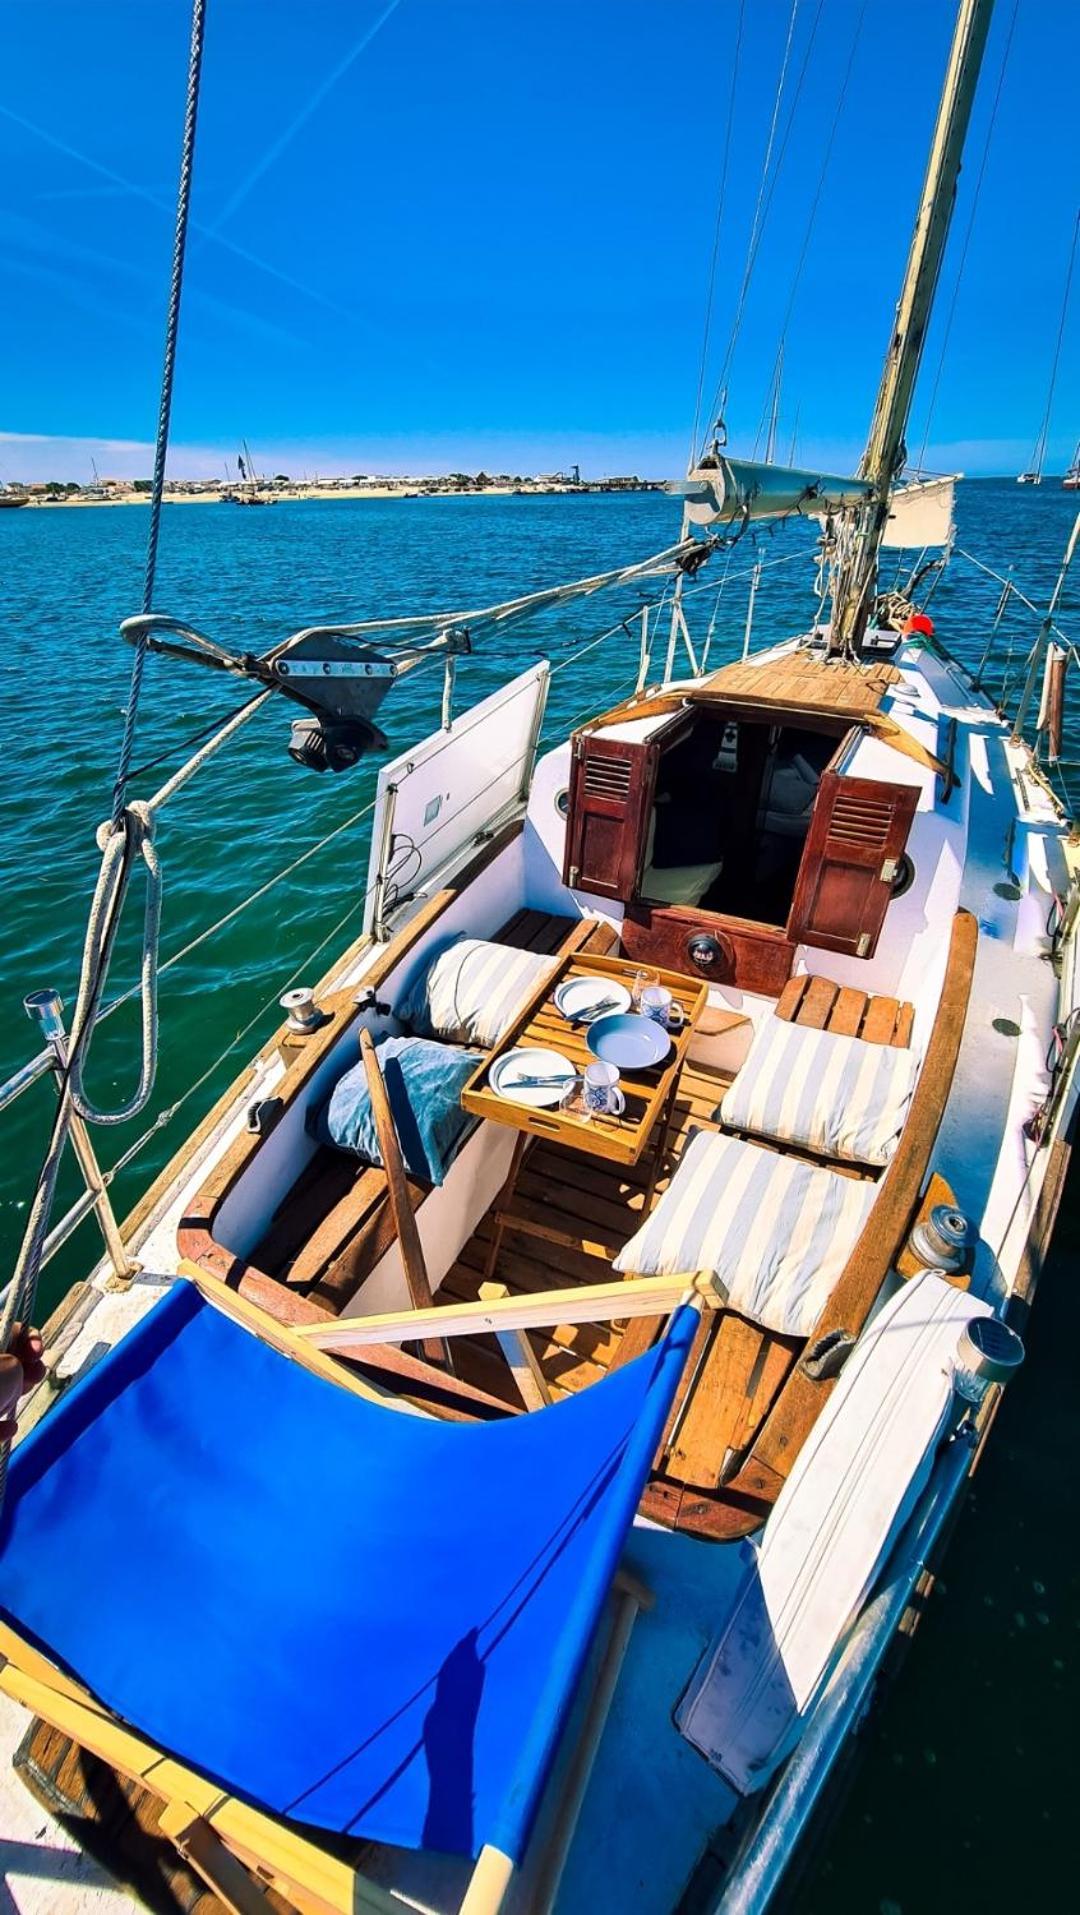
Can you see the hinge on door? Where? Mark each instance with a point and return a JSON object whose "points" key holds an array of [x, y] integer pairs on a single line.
{"points": [[862, 949], [889, 870], [572, 876]]}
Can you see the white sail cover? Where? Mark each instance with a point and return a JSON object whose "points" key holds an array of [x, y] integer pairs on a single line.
{"points": [[743, 488], [921, 514]]}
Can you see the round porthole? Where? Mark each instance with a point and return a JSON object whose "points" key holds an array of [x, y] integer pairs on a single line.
{"points": [[905, 876], [562, 801]]}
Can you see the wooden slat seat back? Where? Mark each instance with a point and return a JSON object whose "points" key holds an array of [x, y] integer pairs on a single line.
{"points": [[820, 1005]]}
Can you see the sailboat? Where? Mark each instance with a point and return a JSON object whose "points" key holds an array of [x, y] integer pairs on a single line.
{"points": [[1071, 480], [502, 1444], [250, 490], [1034, 474]]}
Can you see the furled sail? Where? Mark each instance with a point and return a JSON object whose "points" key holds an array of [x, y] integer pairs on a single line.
{"points": [[921, 514], [747, 489]]}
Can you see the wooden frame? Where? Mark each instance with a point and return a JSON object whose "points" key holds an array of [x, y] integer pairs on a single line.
{"points": [[544, 1309], [238, 1849]]}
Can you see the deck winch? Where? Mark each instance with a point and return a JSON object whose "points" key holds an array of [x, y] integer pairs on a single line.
{"points": [[340, 677]]}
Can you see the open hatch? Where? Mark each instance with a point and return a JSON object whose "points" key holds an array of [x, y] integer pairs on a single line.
{"points": [[726, 821]]}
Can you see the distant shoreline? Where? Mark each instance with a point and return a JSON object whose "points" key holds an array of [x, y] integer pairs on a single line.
{"points": [[292, 493]]}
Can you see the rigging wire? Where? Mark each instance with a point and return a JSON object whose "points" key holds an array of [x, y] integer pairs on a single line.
{"points": [[951, 312], [194, 738], [767, 187], [720, 204], [818, 191], [1044, 430]]}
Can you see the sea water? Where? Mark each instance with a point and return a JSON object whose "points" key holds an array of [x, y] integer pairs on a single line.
{"points": [[993, 1684]]}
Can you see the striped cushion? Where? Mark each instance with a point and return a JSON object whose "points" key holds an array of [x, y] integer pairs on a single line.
{"points": [[775, 1232], [471, 991], [839, 1096]]}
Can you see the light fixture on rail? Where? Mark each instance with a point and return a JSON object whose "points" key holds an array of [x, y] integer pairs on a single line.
{"points": [[340, 678]]}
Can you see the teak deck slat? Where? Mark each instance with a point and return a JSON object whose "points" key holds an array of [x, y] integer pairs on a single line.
{"points": [[880, 1020], [821, 1005], [819, 998], [743, 1371], [848, 1012]]}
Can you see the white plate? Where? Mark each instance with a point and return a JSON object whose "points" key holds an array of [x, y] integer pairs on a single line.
{"points": [[526, 1062], [579, 996]]}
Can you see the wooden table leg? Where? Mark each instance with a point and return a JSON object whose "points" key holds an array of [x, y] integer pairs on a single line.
{"points": [[502, 1202], [663, 1130]]}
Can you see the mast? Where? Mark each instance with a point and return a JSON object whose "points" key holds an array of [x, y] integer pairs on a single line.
{"points": [[885, 451]]}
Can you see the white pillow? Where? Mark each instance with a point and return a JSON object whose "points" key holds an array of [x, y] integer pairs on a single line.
{"points": [[775, 1232], [839, 1096], [471, 991]]}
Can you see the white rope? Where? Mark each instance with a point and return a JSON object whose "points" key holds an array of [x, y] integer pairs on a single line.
{"points": [[117, 856]]}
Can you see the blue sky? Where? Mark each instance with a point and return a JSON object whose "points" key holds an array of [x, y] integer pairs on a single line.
{"points": [[454, 233]]}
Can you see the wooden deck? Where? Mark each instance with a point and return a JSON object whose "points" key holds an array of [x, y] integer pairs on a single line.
{"points": [[580, 1212]]}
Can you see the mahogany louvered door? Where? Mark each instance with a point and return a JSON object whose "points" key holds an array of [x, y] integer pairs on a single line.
{"points": [[611, 788], [852, 856]]}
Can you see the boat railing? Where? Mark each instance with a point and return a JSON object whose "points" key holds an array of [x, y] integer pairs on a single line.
{"points": [[46, 1008]]}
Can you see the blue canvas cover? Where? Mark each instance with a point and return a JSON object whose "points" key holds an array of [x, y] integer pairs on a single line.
{"points": [[365, 1620]]}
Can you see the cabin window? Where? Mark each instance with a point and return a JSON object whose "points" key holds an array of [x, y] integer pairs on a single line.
{"points": [[730, 814]]}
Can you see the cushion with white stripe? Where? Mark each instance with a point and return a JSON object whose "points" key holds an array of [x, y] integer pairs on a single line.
{"points": [[472, 990], [839, 1096], [775, 1232]]}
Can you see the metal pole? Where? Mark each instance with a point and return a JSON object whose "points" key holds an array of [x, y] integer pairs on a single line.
{"points": [[46, 1007], [643, 656], [754, 577], [885, 448]]}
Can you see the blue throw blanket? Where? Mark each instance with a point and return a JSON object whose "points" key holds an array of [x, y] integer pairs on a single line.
{"points": [[424, 1081]]}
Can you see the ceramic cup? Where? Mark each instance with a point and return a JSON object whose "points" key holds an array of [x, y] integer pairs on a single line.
{"points": [[656, 1003], [602, 1093]]}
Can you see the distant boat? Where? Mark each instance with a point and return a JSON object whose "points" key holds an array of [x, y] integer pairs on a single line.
{"points": [[13, 498], [1038, 458], [1071, 481], [249, 491]]}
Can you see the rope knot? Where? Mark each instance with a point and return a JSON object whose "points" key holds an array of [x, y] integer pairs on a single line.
{"points": [[138, 816]]}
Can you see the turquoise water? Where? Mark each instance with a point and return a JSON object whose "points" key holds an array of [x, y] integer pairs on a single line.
{"points": [[984, 1686]]}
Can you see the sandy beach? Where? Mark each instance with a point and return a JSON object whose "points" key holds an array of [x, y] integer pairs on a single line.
{"points": [[406, 490]]}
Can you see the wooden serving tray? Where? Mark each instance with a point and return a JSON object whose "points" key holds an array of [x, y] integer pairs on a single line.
{"points": [[619, 1139]]}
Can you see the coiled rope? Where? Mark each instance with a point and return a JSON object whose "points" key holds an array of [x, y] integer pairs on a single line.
{"points": [[128, 836]]}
